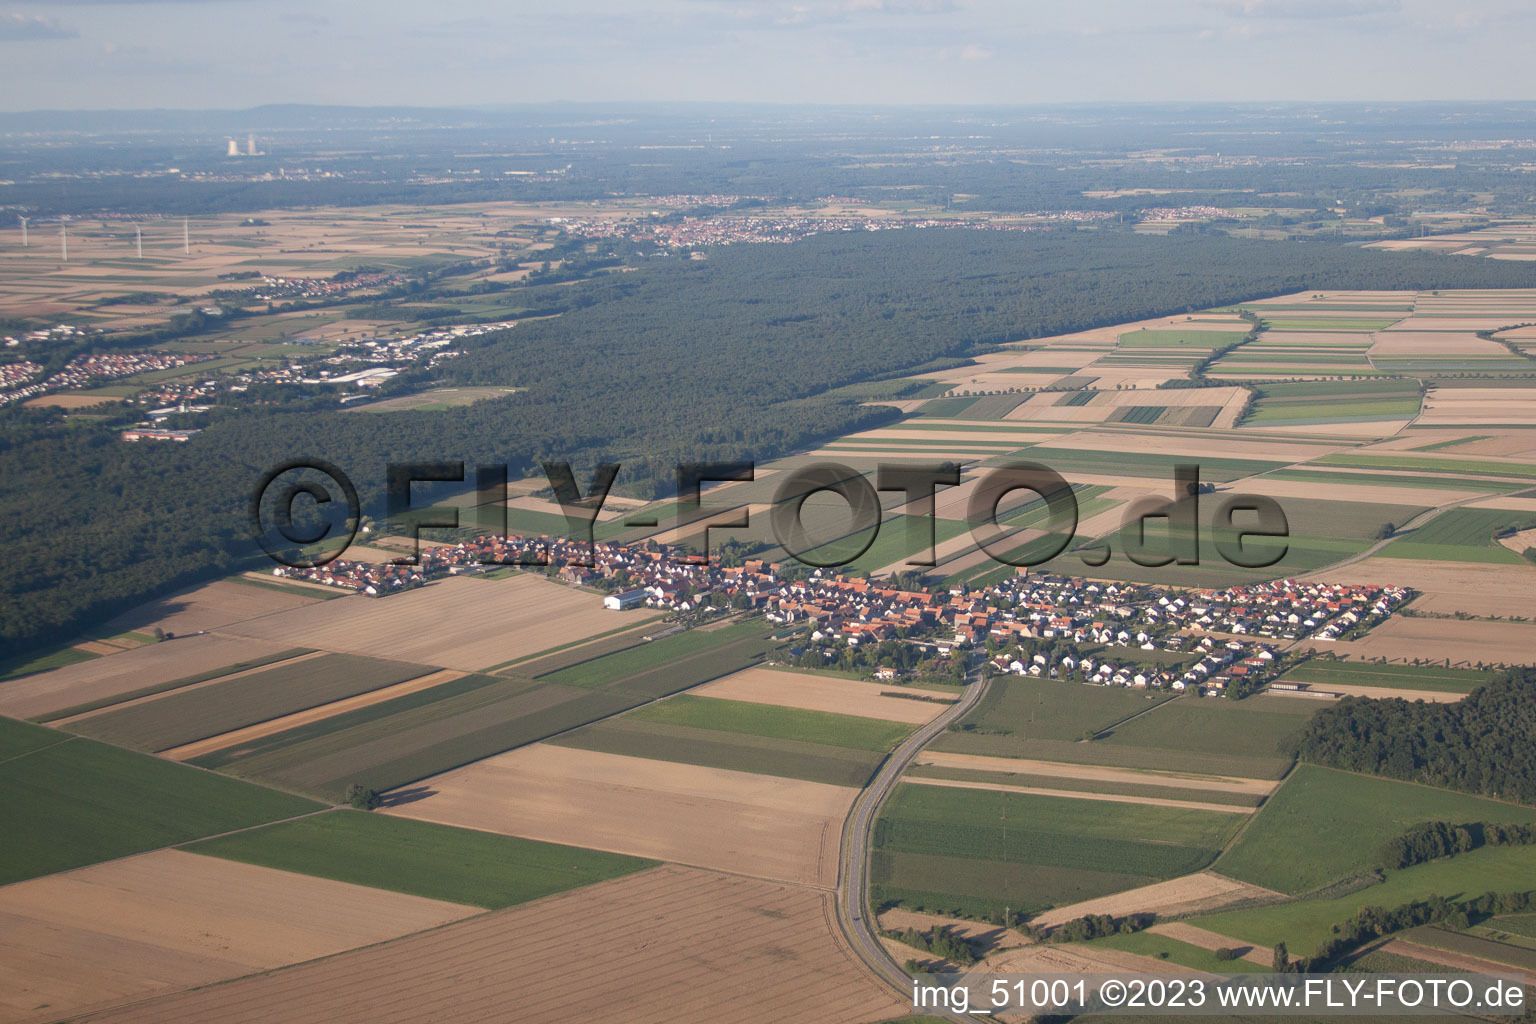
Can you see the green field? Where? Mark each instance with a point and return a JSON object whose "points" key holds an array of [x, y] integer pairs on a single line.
{"points": [[982, 889], [1255, 730], [1205, 340], [1323, 825], [773, 722], [67, 802], [1174, 951], [1322, 323], [222, 706], [1017, 711], [1159, 792], [1462, 535], [1403, 677], [1348, 479], [13, 668], [1304, 924], [1078, 846], [645, 668], [734, 751], [480, 869], [1426, 463]]}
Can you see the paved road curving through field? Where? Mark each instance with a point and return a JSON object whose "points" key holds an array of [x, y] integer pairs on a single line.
{"points": [[858, 925]]}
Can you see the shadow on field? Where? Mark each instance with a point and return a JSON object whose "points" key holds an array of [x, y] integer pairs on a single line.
{"points": [[406, 796]]}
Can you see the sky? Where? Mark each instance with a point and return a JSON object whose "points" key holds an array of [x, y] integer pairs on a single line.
{"points": [[230, 54]]}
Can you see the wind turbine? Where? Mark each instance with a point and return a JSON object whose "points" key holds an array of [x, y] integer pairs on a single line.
{"points": [[64, 241], [24, 242], [138, 239], [186, 239]]}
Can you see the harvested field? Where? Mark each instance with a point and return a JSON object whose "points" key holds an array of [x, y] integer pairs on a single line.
{"points": [[759, 825], [1198, 893], [1378, 692], [208, 607], [1401, 638], [1449, 587], [736, 950], [1095, 773], [71, 401], [129, 671], [170, 920], [1492, 407], [456, 623], [827, 693]]}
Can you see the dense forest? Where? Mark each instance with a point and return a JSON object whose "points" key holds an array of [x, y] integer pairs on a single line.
{"points": [[738, 356], [1479, 745]]}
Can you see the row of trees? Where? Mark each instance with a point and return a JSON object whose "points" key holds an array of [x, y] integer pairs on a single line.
{"points": [[1435, 839]]}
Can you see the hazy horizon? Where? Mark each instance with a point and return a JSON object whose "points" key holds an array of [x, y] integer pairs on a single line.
{"points": [[238, 54]]}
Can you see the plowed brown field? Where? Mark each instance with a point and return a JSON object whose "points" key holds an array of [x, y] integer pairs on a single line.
{"points": [[667, 946]]}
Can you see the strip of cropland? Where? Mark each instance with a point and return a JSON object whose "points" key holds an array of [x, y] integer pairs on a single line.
{"points": [[221, 706], [1324, 673]]}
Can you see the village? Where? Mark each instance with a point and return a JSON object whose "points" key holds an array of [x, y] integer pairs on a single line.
{"points": [[1211, 642]]}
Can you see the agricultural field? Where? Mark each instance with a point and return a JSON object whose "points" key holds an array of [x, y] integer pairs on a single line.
{"points": [[1463, 535], [817, 692], [728, 941], [1250, 736], [221, 705], [119, 676], [973, 851], [1333, 402], [210, 606], [398, 741], [70, 802], [1324, 825], [160, 922], [671, 663], [1324, 675], [1163, 947], [816, 746], [1305, 924], [781, 828], [459, 623], [478, 869], [1454, 643], [1017, 712]]}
